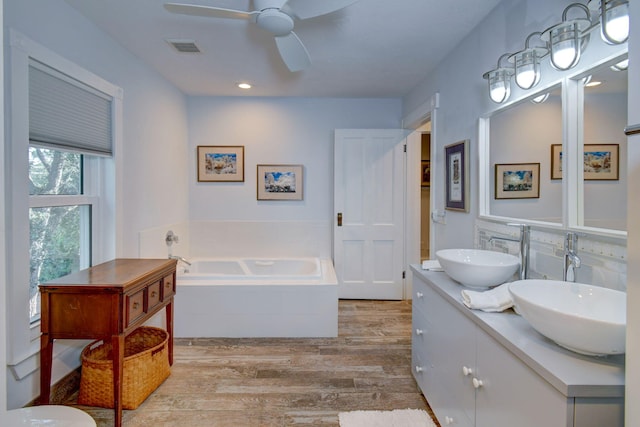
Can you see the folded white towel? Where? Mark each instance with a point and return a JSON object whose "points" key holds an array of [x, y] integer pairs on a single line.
{"points": [[496, 299], [432, 265]]}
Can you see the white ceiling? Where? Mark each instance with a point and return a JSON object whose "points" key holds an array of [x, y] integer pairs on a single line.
{"points": [[373, 48]]}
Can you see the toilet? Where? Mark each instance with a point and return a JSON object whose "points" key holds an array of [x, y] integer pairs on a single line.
{"points": [[49, 416]]}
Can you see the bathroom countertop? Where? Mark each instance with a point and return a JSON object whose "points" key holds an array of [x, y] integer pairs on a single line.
{"points": [[573, 374]]}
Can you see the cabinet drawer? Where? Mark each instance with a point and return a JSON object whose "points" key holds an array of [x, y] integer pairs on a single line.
{"points": [[135, 306], [168, 286], [153, 292]]}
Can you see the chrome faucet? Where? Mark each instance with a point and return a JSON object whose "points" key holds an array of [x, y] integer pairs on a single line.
{"points": [[571, 258], [179, 258], [525, 243]]}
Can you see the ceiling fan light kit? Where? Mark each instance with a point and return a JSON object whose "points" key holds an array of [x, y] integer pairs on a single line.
{"points": [[276, 17]]}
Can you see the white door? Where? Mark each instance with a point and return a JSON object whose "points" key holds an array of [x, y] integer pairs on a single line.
{"points": [[369, 213]]}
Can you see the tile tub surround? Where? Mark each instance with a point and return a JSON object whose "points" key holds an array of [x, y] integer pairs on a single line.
{"points": [[604, 261]]}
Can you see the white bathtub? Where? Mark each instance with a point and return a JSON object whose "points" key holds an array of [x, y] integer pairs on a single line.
{"points": [[256, 297]]}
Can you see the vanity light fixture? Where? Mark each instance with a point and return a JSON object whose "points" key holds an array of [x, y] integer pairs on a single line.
{"points": [[621, 66], [527, 63], [540, 99], [563, 43], [499, 81], [566, 39], [614, 21]]}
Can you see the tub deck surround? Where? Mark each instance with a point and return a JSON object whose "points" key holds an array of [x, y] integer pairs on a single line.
{"points": [[258, 297]]}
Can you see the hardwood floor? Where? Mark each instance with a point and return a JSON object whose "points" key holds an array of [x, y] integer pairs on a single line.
{"points": [[287, 382]]}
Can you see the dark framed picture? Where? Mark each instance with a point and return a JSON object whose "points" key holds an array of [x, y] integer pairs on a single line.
{"points": [[601, 162], [426, 173], [517, 181], [457, 176], [280, 182], [220, 163]]}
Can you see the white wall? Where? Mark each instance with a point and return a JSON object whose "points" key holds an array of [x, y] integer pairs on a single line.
{"points": [[152, 178], [463, 96], [276, 131], [155, 123]]}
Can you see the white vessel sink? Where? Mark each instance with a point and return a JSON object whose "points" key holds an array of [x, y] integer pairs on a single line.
{"points": [[583, 318], [477, 268]]}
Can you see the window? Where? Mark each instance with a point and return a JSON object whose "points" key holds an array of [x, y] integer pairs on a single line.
{"points": [[59, 227], [61, 179]]}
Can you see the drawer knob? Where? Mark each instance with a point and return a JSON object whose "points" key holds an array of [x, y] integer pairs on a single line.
{"points": [[419, 294], [467, 371], [419, 332], [154, 294], [477, 383], [448, 421], [136, 305], [419, 369]]}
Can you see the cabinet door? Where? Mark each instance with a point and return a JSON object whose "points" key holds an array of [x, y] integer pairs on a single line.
{"points": [[511, 394], [450, 347]]}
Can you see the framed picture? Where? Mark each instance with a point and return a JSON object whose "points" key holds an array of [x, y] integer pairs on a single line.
{"points": [[601, 162], [426, 173], [280, 182], [517, 181], [220, 163], [457, 176]]}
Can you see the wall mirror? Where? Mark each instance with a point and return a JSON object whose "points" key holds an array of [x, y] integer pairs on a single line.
{"points": [[520, 138], [577, 128], [604, 165]]}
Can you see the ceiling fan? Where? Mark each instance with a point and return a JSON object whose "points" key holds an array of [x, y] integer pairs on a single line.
{"points": [[276, 17]]}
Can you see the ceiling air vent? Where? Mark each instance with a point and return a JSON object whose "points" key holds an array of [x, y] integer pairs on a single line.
{"points": [[184, 46]]}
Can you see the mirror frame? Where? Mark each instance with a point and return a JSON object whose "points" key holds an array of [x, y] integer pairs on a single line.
{"points": [[597, 54]]}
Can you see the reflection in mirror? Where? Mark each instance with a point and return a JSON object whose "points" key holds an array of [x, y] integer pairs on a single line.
{"points": [[522, 135], [605, 150]]}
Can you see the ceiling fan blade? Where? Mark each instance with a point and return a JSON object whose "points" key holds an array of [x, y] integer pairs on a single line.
{"points": [[212, 12], [293, 52], [304, 9]]}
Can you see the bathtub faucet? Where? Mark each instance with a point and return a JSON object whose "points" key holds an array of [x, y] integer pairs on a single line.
{"points": [[179, 258]]}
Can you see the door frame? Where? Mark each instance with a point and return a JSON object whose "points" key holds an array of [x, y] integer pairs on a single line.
{"points": [[414, 121]]}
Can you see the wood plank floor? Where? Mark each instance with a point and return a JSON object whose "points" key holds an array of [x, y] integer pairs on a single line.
{"points": [[287, 382]]}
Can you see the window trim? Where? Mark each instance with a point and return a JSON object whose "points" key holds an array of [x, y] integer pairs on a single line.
{"points": [[103, 178]]}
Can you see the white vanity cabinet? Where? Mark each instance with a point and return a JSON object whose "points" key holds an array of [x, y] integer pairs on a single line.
{"points": [[470, 375]]}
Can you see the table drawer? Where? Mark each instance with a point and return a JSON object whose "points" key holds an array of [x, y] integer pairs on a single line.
{"points": [[153, 293], [168, 286], [135, 306]]}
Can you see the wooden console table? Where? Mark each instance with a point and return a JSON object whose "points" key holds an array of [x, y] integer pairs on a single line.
{"points": [[107, 301]]}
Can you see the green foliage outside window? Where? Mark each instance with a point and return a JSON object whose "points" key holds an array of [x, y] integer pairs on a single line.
{"points": [[55, 231]]}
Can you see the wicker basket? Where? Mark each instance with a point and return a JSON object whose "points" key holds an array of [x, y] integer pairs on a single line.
{"points": [[146, 366]]}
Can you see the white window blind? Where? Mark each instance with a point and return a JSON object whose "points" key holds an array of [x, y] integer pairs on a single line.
{"points": [[67, 114]]}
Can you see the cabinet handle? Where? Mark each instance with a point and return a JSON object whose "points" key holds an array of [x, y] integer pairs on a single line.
{"points": [[477, 383], [419, 369], [419, 294], [419, 332], [467, 371], [448, 421]]}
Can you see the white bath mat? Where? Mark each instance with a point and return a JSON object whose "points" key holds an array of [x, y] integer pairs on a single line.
{"points": [[395, 418]]}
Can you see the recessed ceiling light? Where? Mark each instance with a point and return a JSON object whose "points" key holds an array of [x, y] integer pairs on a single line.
{"points": [[244, 85]]}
